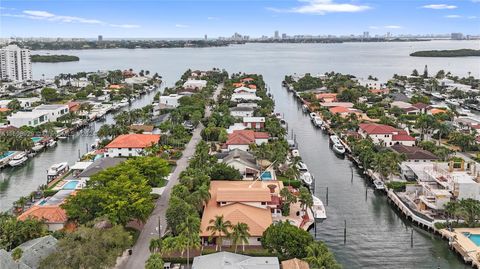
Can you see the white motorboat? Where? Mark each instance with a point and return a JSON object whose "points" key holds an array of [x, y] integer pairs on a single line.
{"points": [[452, 102], [283, 123], [56, 170], [334, 139], [38, 146], [52, 143], [438, 96], [318, 209], [302, 167], [378, 184], [305, 108], [464, 111], [18, 159], [295, 153], [307, 178], [313, 115], [338, 148], [317, 121], [62, 137]]}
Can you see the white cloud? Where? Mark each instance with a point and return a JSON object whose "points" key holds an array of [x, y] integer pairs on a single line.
{"points": [[45, 15], [213, 18], [322, 7], [440, 6], [181, 26], [472, 17], [453, 16]]}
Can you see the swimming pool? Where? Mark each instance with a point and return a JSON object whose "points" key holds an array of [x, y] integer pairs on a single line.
{"points": [[71, 185], [36, 139], [6, 154], [475, 238], [267, 175]]}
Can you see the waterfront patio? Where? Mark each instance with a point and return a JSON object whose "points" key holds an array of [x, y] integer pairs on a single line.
{"points": [[462, 244]]}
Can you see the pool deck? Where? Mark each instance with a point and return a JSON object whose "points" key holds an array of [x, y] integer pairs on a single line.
{"points": [[463, 245]]}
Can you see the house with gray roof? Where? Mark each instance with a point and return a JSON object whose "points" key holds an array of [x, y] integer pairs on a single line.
{"points": [[243, 161], [34, 251], [227, 260], [99, 165]]}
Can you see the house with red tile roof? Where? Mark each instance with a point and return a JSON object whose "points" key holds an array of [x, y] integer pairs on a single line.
{"points": [[130, 144], [254, 122], [326, 97], [345, 111], [54, 216], [385, 135], [247, 80], [242, 139]]}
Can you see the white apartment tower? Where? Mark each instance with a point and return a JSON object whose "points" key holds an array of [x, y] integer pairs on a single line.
{"points": [[15, 64]]}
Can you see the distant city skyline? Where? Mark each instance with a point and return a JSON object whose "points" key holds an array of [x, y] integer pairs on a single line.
{"points": [[177, 19]]}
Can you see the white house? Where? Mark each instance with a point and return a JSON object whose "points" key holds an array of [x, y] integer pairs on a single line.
{"points": [[385, 135], [237, 97], [254, 122], [241, 112], [193, 84], [170, 100], [128, 145], [244, 89], [27, 102], [41, 114]]}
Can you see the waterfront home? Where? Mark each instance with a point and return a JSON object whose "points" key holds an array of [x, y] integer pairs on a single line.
{"points": [[244, 89], [98, 166], [193, 84], [345, 111], [239, 97], [242, 139], [371, 84], [54, 216], [171, 100], [252, 105], [254, 122], [236, 127], [326, 97], [241, 201], [439, 183], [33, 252], [141, 128], [243, 161], [385, 135], [227, 260], [129, 145], [379, 91], [337, 104], [414, 154], [240, 112], [39, 115], [295, 264], [137, 80]]}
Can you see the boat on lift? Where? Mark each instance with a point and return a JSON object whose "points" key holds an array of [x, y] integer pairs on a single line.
{"points": [[318, 209], [378, 184]]}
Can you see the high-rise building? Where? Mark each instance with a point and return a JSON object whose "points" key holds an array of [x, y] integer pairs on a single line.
{"points": [[366, 35], [15, 64], [457, 36], [284, 36], [100, 38], [276, 35], [206, 37]]}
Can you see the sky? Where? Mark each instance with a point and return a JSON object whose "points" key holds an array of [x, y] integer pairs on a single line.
{"points": [[195, 18]]}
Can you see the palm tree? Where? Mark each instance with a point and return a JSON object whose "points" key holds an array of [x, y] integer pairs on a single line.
{"points": [[201, 196], [154, 262], [219, 227], [442, 129], [318, 256], [305, 199], [21, 202], [155, 245], [190, 230], [240, 234]]}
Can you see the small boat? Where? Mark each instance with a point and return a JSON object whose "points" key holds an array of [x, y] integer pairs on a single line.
{"points": [[438, 96], [319, 212], [378, 184], [38, 146], [307, 178], [18, 160], [56, 170], [452, 102], [305, 108], [295, 153], [31, 154], [283, 123], [302, 167], [62, 137], [338, 148], [464, 111], [313, 115], [51, 143], [317, 121]]}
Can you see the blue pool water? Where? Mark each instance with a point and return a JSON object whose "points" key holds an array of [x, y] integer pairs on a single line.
{"points": [[6, 154], [267, 175], [70, 185], [36, 139], [475, 238], [42, 202]]}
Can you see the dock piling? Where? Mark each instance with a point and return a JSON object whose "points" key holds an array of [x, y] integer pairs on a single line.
{"points": [[345, 233], [327, 196]]}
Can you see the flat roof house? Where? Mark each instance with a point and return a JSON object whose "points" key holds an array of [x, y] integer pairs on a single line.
{"points": [[227, 260], [193, 84], [99, 165], [128, 145], [254, 122], [41, 114], [241, 112], [170, 100]]}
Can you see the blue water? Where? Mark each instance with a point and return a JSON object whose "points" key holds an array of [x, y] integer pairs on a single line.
{"points": [[36, 139], [42, 202], [70, 185], [267, 175], [475, 238], [6, 154]]}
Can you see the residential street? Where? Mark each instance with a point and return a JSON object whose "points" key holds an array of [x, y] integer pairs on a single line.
{"points": [[140, 250]]}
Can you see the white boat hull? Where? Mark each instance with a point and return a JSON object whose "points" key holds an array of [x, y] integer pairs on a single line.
{"points": [[18, 162]]}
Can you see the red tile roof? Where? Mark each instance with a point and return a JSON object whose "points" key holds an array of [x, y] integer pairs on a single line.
{"points": [[237, 84], [373, 128], [245, 137], [247, 79], [252, 86], [50, 214], [4, 109], [134, 141], [402, 137]]}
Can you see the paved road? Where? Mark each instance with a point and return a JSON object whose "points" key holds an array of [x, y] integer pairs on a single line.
{"points": [[150, 230]]}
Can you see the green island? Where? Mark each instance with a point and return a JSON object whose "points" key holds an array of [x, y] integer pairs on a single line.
{"points": [[446, 53], [54, 58]]}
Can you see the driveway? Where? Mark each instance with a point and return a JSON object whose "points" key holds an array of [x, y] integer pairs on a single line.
{"points": [[140, 251]]}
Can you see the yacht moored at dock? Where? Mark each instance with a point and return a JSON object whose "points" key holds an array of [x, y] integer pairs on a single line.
{"points": [[318, 209], [306, 178], [19, 159], [337, 145], [317, 121], [56, 170]]}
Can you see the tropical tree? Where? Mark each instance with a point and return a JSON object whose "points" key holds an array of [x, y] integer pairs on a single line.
{"points": [[219, 228], [190, 230], [287, 199], [17, 254], [442, 129], [286, 240], [470, 211], [201, 196], [464, 141], [305, 198], [319, 256], [426, 123], [240, 234], [154, 262], [155, 245], [386, 163], [452, 209]]}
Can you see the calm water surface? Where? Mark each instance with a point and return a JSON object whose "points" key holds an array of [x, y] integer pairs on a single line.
{"points": [[377, 237]]}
